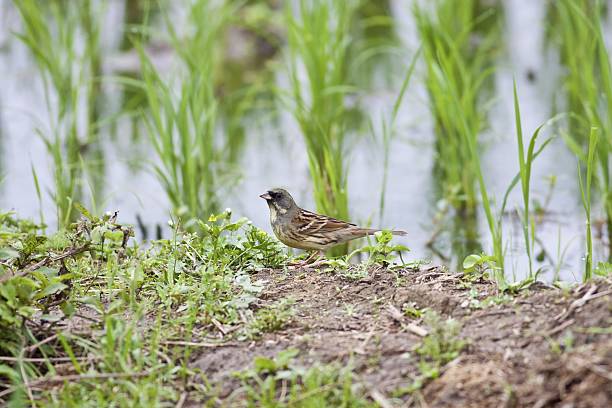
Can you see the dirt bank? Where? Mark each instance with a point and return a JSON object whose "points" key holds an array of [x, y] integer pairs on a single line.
{"points": [[543, 347]]}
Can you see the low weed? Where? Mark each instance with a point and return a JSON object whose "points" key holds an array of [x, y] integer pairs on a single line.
{"points": [[281, 382], [88, 315], [270, 319], [413, 311], [441, 345], [382, 253]]}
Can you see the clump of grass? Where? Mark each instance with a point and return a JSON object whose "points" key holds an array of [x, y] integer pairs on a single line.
{"points": [[71, 79], [183, 119], [441, 346], [459, 41], [270, 319], [280, 382], [577, 26], [458, 72], [319, 41]]}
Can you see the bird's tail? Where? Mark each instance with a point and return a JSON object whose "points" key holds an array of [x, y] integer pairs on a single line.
{"points": [[372, 231]]}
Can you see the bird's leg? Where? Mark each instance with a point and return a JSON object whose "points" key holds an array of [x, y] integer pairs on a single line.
{"points": [[314, 259], [318, 260]]}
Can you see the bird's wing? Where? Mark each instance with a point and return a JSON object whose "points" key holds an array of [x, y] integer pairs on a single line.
{"points": [[308, 222]]}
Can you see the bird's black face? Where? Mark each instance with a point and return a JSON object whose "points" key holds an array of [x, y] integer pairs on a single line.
{"points": [[279, 198]]}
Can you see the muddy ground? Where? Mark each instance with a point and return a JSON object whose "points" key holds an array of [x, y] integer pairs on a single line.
{"points": [[544, 347]]}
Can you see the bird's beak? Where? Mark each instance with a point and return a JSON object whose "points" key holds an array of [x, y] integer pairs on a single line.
{"points": [[266, 196]]}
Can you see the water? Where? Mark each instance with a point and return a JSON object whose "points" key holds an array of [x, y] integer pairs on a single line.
{"points": [[275, 156]]}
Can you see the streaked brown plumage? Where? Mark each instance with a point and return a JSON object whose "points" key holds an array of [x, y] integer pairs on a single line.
{"points": [[302, 229]]}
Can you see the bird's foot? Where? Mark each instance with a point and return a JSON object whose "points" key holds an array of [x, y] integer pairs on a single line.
{"points": [[314, 260]]}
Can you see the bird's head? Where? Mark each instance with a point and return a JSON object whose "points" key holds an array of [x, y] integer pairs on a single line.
{"points": [[279, 200]]}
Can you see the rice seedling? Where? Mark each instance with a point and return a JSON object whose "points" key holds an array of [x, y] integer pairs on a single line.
{"points": [[525, 164], [319, 39], [458, 45], [70, 77], [387, 133], [585, 189], [588, 85], [496, 261], [377, 54], [136, 17], [183, 120]]}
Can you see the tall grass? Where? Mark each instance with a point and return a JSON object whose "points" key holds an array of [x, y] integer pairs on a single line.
{"points": [[495, 218], [526, 160], [588, 86], [183, 116], [70, 75], [585, 189], [318, 33], [458, 44], [388, 131]]}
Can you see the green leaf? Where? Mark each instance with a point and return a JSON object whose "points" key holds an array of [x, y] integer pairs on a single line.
{"points": [[8, 253], [81, 208], [471, 261], [116, 236], [284, 357], [67, 308], [264, 364], [50, 290], [8, 372]]}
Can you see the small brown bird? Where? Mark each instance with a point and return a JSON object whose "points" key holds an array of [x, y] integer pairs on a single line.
{"points": [[298, 228]]}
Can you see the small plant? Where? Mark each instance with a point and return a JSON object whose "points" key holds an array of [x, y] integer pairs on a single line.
{"points": [[476, 267], [270, 319], [442, 344], [496, 261], [475, 303], [565, 344], [412, 310], [438, 348], [354, 272], [525, 164], [383, 252], [603, 269]]}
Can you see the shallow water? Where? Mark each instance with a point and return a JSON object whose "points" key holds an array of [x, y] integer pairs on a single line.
{"points": [[275, 156]]}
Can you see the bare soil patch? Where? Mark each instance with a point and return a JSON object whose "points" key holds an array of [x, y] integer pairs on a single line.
{"points": [[543, 347]]}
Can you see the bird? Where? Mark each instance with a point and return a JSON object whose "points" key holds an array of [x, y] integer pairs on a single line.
{"points": [[303, 229]]}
